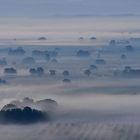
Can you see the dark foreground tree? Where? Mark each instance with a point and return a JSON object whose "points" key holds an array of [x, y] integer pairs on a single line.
{"points": [[22, 116]]}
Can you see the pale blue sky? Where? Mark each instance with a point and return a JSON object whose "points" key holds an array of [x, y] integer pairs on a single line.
{"points": [[44, 8], [30, 18]]}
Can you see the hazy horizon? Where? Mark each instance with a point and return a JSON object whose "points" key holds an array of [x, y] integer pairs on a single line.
{"points": [[69, 30], [67, 20], [45, 8]]}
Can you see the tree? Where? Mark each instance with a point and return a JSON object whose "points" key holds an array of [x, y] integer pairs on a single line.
{"points": [[87, 72]]}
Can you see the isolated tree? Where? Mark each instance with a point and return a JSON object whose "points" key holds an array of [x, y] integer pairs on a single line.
{"points": [[87, 72]]}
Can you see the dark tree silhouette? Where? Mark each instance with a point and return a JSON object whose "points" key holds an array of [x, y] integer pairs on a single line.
{"points": [[17, 51], [129, 48], [66, 80], [87, 72], [123, 56], [38, 71], [112, 42], [100, 61], [22, 116], [42, 38], [52, 72], [83, 53], [66, 73], [10, 71]]}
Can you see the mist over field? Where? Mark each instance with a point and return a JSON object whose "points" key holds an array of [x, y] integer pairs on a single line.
{"points": [[96, 88], [66, 30], [69, 70]]}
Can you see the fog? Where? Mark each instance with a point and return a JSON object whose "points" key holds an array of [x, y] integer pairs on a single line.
{"points": [[66, 30], [89, 65]]}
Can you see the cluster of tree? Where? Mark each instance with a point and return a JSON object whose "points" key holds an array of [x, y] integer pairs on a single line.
{"points": [[128, 71], [35, 71], [135, 39], [10, 70], [123, 56], [26, 115], [38, 71], [52, 72], [129, 48], [42, 38], [83, 53], [17, 51], [66, 80], [66, 73], [112, 42], [100, 61], [91, 38], [46, 53], [118, 42], [45, 104]]}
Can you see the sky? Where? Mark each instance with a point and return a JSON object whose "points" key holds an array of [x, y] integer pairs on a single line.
{"points": [[62, 18], [45, 8]]}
